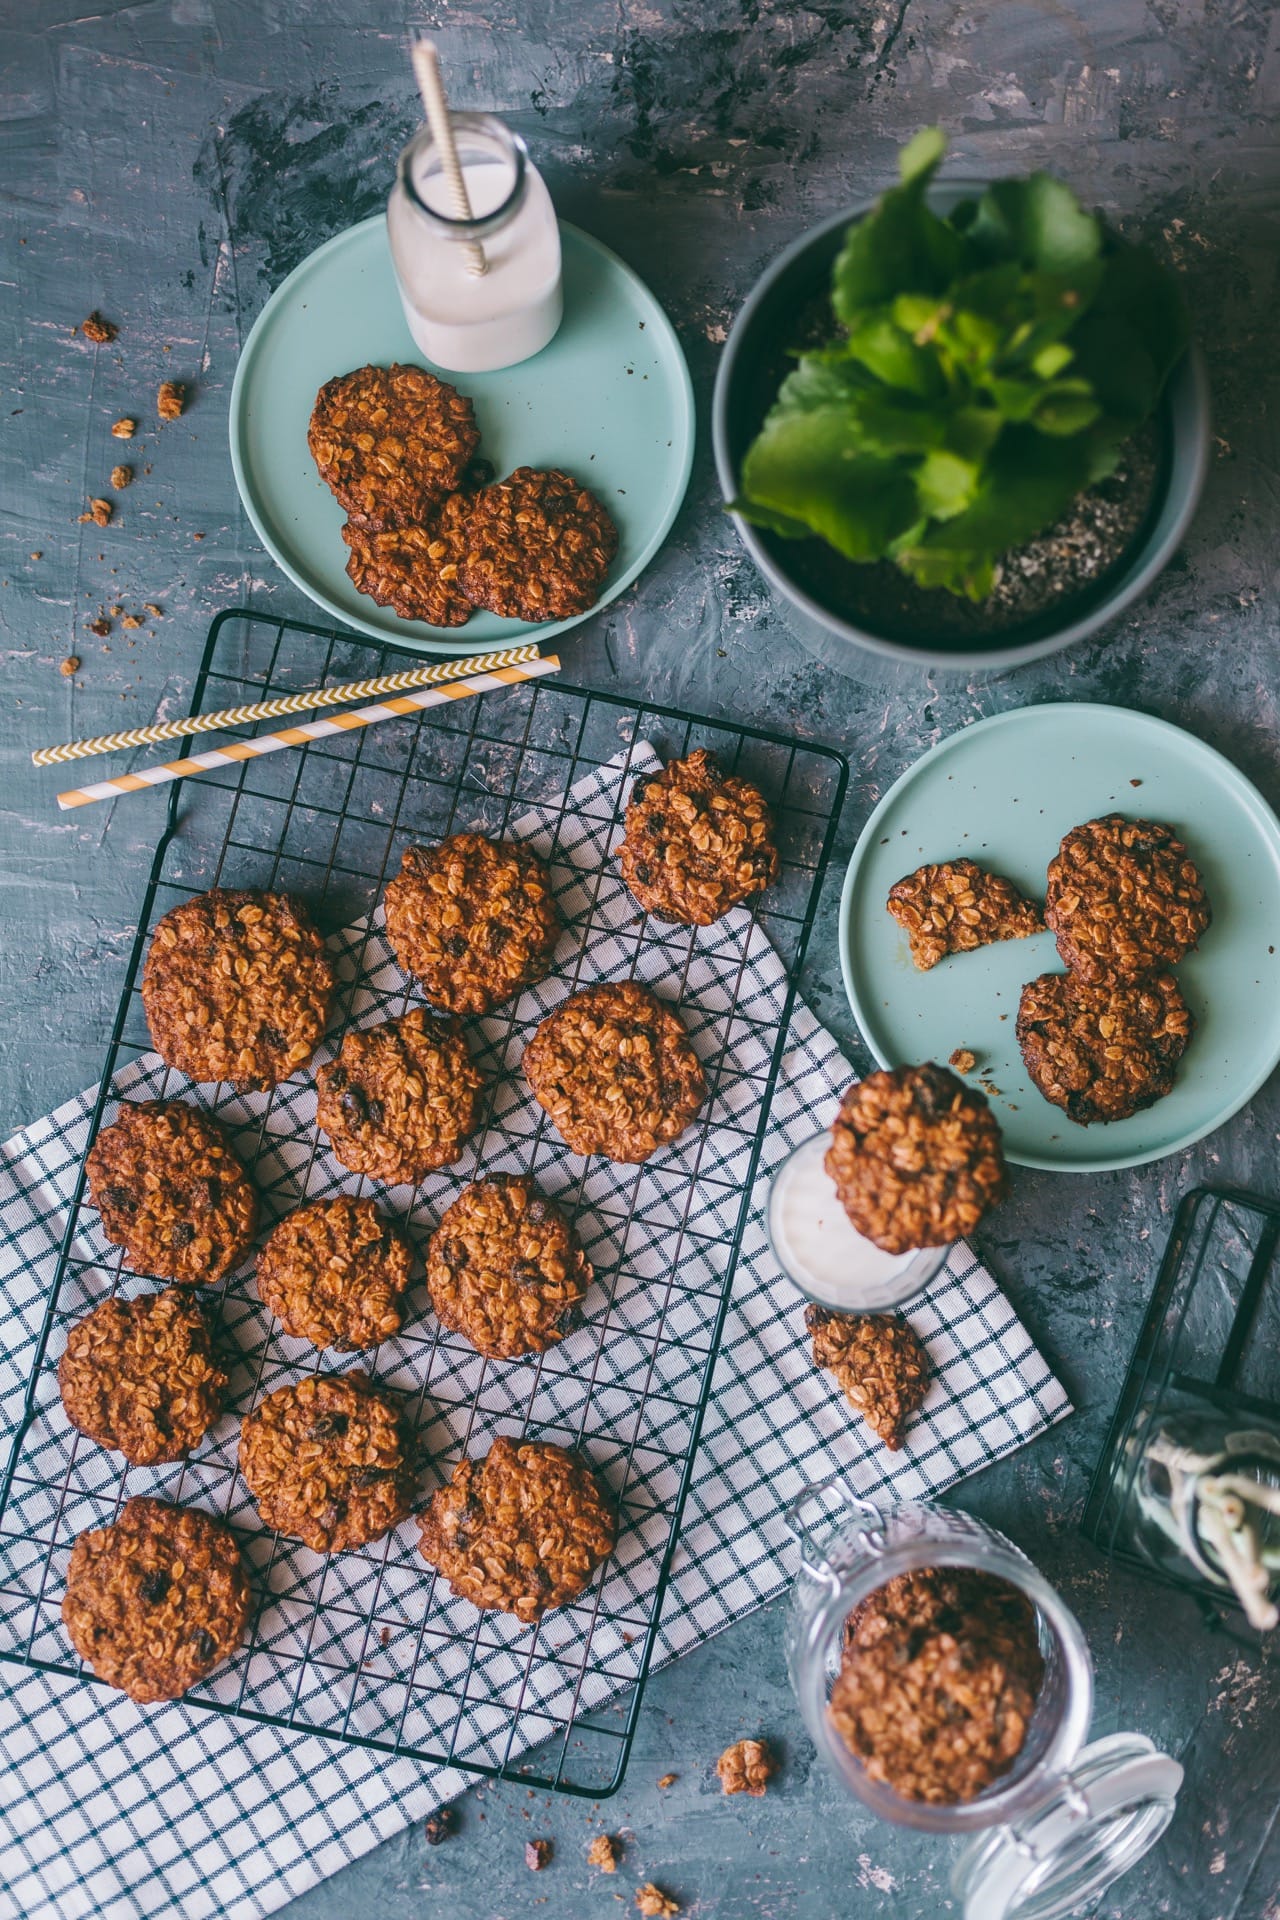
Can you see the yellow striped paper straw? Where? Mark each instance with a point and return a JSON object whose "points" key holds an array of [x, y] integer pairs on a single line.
{"points": [[151, 736], [309, 730]]}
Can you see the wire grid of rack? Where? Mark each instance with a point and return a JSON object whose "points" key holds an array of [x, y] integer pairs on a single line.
{"points": [[370, 1647]]}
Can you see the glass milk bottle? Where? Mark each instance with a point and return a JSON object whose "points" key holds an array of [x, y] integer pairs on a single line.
{"points": [[463, 320], [1066, 1818], [821, 1251]]}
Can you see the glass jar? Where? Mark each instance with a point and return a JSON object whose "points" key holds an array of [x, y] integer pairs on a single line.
{"points": [[485, 292], [1067, 1819], [821, 1251]]}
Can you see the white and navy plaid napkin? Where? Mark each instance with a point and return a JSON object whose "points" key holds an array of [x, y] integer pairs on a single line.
{"points": [[115, 1811]]}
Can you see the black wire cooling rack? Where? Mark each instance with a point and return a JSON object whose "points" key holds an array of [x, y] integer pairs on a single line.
{"points": [[370, 1647]]}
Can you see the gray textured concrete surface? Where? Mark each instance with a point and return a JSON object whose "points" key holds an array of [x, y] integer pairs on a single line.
{"points": [[168, 161]]}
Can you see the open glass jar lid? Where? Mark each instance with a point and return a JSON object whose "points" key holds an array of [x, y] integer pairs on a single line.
{"points": [[1062, 1820]]}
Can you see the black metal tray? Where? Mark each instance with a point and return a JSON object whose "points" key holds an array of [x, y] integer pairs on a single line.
{"points": [[366, 1647]]}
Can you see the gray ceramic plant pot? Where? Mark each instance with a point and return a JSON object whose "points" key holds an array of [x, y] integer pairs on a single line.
{"points": [[747, 382]]}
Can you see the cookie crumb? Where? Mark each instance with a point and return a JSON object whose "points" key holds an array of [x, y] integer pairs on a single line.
{"points": [[121, 477], [878, 1362], [963, 1060], [35, 556], [536, 1854], [170, 399], [124, 429], [116, 610], [101, 627], [149, 606], [438, 1826], [603, 1853], [655, 1903], [667, 1780], [745, 1767], [70, 665], [1135, 783], [97, 329], [99, 512], [131, 620]]}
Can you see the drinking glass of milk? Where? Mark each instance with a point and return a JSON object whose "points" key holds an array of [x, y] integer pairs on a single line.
{"points": [[819, 1248], [484, 292]]}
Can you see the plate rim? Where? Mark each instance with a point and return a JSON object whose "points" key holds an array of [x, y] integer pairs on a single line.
{"points": [[404, 634], [1246, 791]]}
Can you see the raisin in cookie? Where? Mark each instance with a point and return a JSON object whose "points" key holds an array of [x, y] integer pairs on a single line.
{"points": [[334, 1273], [520, 1531], [534, 547], [329, 1461], [473, 919], [171, 1192], [877, 1361], [409, 569], [400, 1099], [237, 987], [916, 1158], [1102, 1052], [1124, 899], [504, 1268], [697, 842], [614, 1070], [156, 1601], [955, 906], [140, 1375], [390, 442]]}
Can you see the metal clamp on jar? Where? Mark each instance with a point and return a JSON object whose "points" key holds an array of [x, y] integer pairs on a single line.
{"points": [[1064, 1819]]}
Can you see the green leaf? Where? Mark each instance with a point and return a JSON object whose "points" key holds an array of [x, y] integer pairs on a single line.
{"points": [[971, 574], [809, 467], [1051, 359], [769, 518], [1063, 412], [1038, 222], [1028, 482], [1137, 288], [899, 247], [945, 483], [821, 378], [922, 154], [892, 356], [886, 422]]}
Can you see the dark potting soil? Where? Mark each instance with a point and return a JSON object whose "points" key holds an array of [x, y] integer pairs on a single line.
{"points": [[1059, 571]]}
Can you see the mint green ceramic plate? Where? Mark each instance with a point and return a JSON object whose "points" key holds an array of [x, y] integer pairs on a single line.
{"points": [[1004, 791], [608, 399]]}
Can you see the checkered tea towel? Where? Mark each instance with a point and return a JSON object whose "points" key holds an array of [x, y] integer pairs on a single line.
{"points": [[114, 1811]]}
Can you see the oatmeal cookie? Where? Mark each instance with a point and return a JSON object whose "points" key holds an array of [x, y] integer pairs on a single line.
{"points": [[389, 442], [334, 1272], [504, 1268], [473, 919], [879, 1364], [614, 1070], [520, 1531], [938, 1682], [697, 842], [140, 1375], [916, 1157], [156, 1601], [1102, 1052], [330, 1461], [171, 1192], [1124, 899], [409, 569], [956, 906], [535, 546], [400, 1099], [237, 987]]}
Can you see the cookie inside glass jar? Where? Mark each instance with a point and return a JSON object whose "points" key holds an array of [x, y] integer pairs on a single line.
{"points": [[940, 1671]]}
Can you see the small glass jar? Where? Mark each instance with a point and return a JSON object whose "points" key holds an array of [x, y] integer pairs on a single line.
{"points": [[821, 1251], [481, 293], [1067, 1819]]}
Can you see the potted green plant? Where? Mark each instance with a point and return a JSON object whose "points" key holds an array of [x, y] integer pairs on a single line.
{"points": [[963, 425]]}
